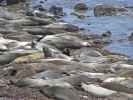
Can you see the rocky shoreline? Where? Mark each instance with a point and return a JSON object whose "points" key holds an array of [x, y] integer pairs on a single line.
{"points": [[43, 58]]}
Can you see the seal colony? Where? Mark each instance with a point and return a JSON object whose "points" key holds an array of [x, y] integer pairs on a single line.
{"points": [[43, 58]]}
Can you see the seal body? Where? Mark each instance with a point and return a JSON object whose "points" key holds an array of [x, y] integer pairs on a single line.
{"points": [[10, 2], [7, 58]]}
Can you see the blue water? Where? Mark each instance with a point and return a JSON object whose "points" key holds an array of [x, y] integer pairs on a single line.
{"points": [[121, 26]]}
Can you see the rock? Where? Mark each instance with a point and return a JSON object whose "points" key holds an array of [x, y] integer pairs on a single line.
{"points": [[57, 11], [106, 34], [40, 7], [78, 15], [80, 6], [107, 10], [97, 90], [60, 93], [42, 14], [131, 36]]}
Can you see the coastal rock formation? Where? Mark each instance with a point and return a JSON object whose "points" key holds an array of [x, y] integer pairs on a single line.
{"points": [[107, 10]]}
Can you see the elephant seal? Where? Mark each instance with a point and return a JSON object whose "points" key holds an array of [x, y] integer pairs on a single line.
{"points": [[64, 41], [50, 51], [60, 93], [11, 2], [3, 47], [50, 74], [6, 44], [8, 57]]}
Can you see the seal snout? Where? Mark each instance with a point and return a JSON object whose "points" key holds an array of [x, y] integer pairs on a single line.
{"points": [[86, 44]]}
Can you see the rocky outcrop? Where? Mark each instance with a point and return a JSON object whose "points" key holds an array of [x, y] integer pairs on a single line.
{"points": [[80, 6], [107, 10]]}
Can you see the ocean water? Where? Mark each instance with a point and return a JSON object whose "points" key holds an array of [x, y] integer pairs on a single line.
{"points": [[121, 26]]}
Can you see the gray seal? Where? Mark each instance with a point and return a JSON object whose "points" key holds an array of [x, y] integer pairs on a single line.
{"points": [[60, 93]]}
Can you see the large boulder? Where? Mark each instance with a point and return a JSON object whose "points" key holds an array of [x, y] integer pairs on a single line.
{"points": [[80, 6], [107, 10], [57, 11], [130, 37]]}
